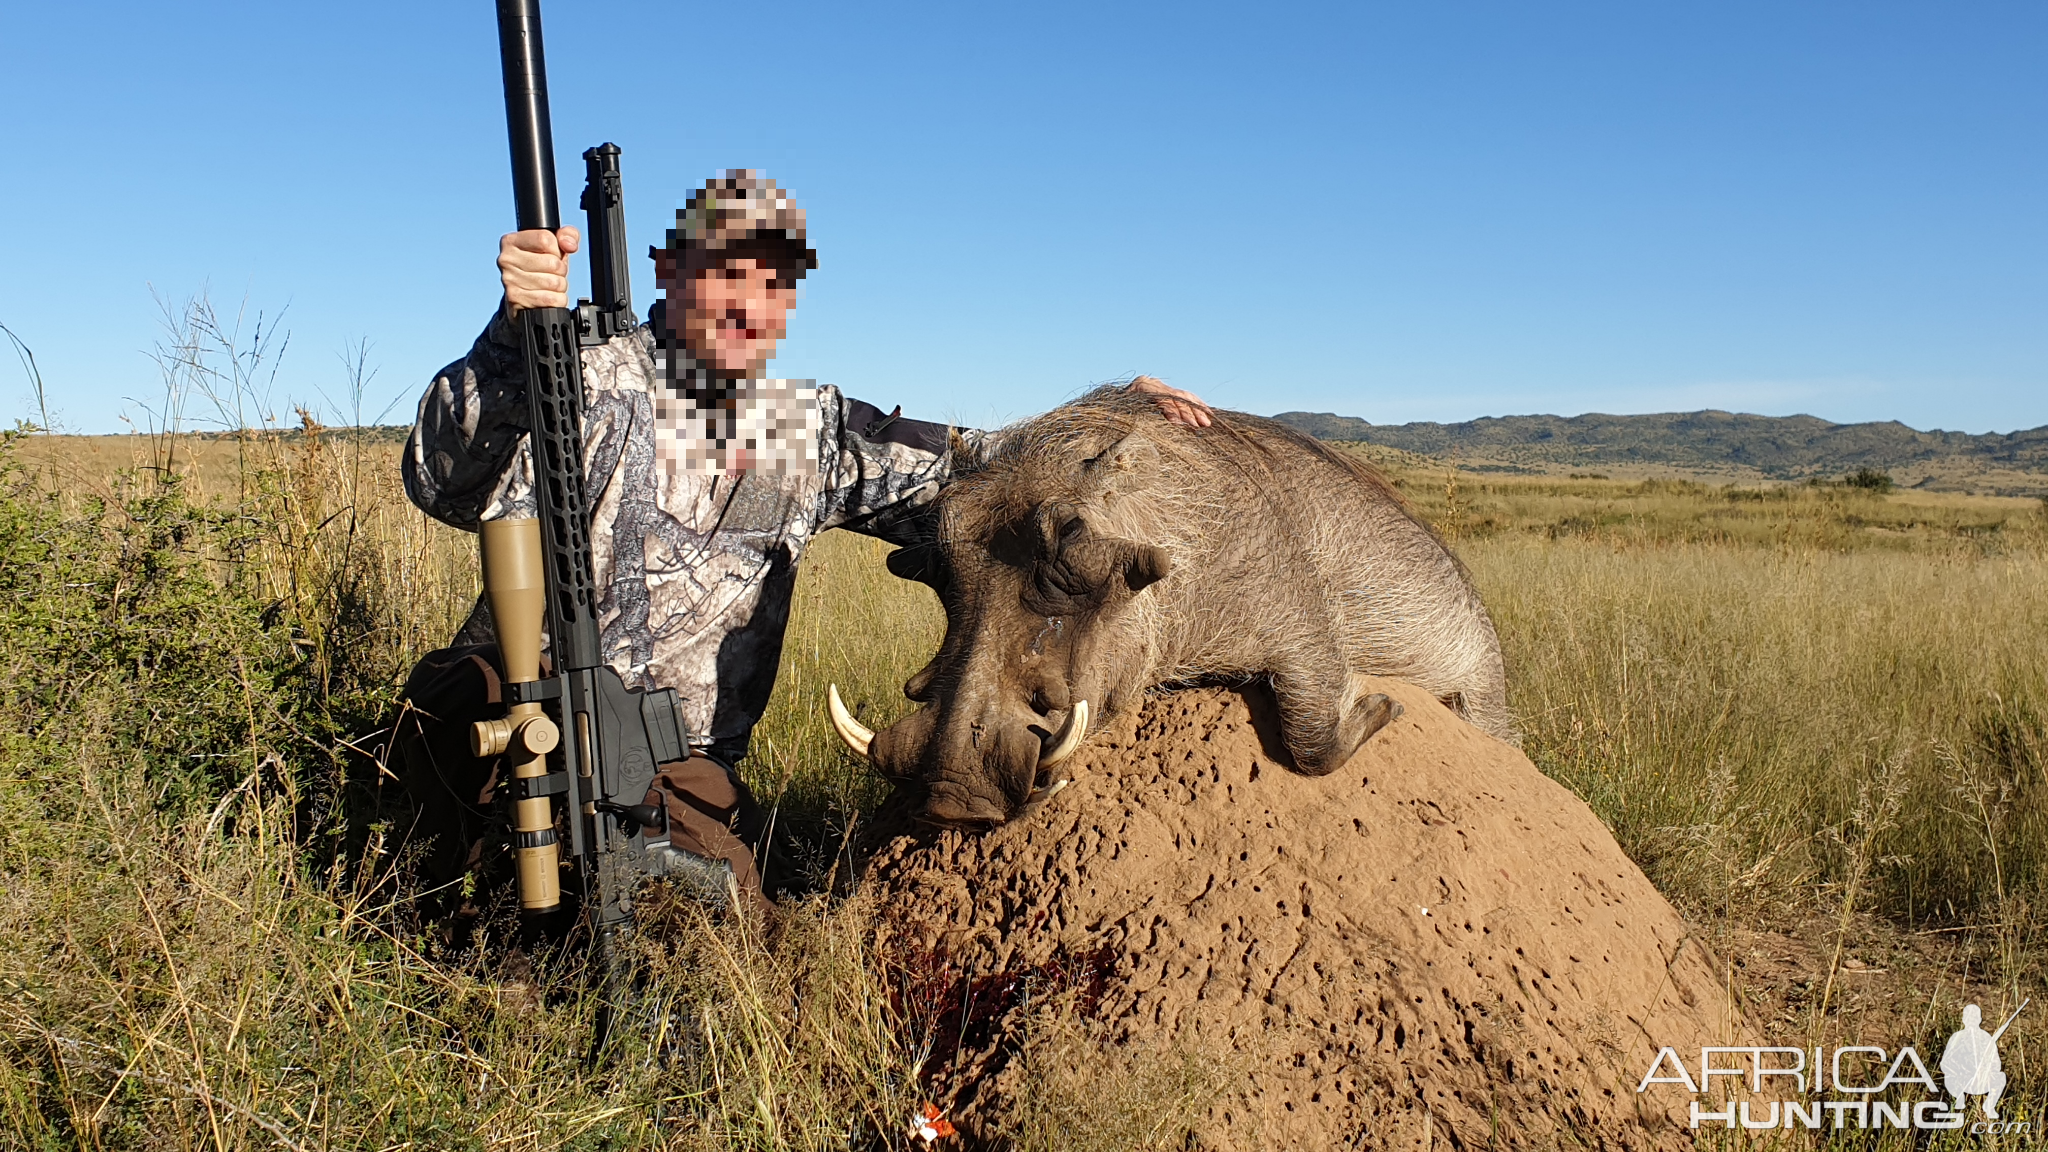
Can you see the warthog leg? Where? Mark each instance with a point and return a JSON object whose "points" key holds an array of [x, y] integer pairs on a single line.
{"points": [[1322, 722]]}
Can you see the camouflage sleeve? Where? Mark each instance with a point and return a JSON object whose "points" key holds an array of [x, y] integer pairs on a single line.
{"points": [[881, 470], [471, 424]]}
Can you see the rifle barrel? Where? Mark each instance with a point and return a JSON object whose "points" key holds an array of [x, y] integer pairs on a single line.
{"points": [[526, 114], [2009, 1019]]}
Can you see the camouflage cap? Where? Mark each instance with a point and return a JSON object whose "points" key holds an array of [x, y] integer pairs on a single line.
{"points": [[741, 209]]}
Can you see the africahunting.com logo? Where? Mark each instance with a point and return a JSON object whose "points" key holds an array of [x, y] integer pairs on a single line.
{"points": [[1837, 1088]]}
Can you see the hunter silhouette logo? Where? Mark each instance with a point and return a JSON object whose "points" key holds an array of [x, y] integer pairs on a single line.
{"points": [[1858, 1086], [1970, 1065]]}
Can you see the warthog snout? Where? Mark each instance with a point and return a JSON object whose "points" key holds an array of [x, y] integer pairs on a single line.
{"points": [[977, 771]]}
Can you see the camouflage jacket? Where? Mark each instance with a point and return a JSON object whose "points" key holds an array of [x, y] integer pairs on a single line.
{"points": [[694, 564]]}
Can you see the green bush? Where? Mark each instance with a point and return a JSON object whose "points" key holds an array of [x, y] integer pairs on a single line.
{"points": [[209, 941]]}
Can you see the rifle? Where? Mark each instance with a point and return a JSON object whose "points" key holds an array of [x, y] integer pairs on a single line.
{"points": [[2009, 1019], [577, 733]]}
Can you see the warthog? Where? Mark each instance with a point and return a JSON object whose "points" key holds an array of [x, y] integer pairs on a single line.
{"points": [[1098, 551]]}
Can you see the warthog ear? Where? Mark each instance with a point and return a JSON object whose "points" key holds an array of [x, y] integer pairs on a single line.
{"points": [[1148, 565], [966, 456], [1135, 453]]}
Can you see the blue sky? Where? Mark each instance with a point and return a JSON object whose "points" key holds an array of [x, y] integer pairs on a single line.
{"points": [[1409, 211]]}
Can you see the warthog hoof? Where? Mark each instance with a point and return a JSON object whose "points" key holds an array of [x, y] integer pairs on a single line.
{"points": [[1367, 715], [1380, 710]]}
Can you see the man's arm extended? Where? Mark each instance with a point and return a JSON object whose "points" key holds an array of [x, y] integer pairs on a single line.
{"points": [[1179, 407], [889, 467], [880, 467]]}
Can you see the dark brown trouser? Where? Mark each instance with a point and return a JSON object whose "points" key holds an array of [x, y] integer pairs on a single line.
{"points": [[710, 812]]}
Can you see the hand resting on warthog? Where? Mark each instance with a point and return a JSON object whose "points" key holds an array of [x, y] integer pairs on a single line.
{"points": [[1097, 551]]}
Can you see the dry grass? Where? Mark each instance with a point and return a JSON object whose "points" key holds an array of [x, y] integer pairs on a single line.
{"points": [[1817, 717], [211, 939], [855, 625], [1795, 706]]}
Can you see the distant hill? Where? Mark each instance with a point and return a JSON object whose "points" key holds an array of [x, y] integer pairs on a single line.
{"points": [[1774, 447]]}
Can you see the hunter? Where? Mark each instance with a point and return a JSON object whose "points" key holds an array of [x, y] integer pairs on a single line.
{"points": [[707, 482]]}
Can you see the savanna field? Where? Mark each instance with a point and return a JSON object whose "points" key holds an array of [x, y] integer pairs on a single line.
{"points": [[1817, 716]]}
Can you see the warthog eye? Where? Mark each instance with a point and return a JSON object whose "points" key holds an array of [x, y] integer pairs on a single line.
{"points": [[1079, 578], [1064, 586]]}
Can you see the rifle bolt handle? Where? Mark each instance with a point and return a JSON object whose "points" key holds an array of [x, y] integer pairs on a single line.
{"points": [[635, 817], [531, 735]]}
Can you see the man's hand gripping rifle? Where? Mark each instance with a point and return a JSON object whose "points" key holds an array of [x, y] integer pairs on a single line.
{"points": [[578, 733]]}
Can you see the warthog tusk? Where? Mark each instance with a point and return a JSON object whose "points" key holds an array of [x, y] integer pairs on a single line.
{"points": [[1041, 795], [857, 735], [1069, 736]]}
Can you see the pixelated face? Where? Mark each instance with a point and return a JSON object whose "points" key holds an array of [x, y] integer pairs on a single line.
{"points": [[732, 313]]}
